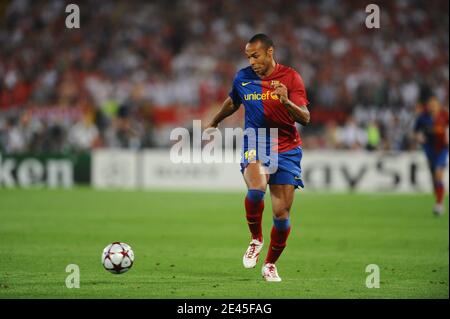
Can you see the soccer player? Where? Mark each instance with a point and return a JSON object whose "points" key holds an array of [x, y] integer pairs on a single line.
{"points": [[431, 129], [274, 97]]}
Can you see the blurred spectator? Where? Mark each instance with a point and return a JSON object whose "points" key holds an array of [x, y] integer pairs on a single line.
{"points": [[352, 136], [181, 57], [373, 136], [332, 135], [14, 138], [83, 135]]}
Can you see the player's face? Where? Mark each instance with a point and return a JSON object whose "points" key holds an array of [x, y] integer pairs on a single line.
{"points": [[259, 57], [433, 105]]}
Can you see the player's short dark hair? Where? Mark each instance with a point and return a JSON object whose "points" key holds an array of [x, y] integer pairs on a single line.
{"points": [[263, 38], [425, 93]]}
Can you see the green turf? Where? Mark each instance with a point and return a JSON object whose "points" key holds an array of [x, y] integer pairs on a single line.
{"points": [[190, 245]]}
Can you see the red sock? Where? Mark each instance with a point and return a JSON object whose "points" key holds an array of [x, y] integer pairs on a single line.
{"points": [[439, 192], [254, 212], [277, 243]]}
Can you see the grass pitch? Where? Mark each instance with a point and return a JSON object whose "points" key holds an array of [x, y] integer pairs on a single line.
{"points": [[190, 245]]}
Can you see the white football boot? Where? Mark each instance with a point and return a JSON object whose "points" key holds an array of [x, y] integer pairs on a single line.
{"points": [[438, 209], [269, 273], [251, 255]]}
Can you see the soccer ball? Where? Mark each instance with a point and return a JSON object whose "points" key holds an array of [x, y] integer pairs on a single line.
{"points": [[117, 257]]}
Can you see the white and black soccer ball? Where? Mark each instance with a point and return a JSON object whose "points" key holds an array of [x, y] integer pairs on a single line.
{"points": [[117, 257]]}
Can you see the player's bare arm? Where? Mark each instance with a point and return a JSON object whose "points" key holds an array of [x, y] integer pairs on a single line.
{"points": [[419, 138], [227, 109], [299, 113]]}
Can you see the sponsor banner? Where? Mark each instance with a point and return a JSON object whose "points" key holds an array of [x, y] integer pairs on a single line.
{"points": [[321, 171], [367, 172], [114, 168], [44, 170], [158, 171]]}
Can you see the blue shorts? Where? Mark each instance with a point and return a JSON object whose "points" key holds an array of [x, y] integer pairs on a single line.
{"points": [[288, 170], [436, 159]]}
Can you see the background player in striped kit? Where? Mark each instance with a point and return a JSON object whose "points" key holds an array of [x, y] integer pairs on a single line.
{"points": [[431, 128]]}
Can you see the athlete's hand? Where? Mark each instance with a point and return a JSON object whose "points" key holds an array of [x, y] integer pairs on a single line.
{"points": [[210, 128], [282, 92]]}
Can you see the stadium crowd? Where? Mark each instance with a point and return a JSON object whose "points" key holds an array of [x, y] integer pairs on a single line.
{"points": [[135, 70]]}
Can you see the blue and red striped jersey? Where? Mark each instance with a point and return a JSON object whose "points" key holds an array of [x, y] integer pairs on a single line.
{"points": [[263, 109], [434, 129]]}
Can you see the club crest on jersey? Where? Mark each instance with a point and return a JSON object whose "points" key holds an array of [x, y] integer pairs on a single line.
{"points": [[274, 82]]}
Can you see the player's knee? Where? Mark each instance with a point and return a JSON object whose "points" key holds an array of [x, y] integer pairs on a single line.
{"points": [[438, 175], [438, 183], [255, 195], [281, 214], [282, 223]]}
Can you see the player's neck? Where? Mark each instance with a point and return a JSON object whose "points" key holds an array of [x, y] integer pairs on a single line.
{"points": [[435, 113], [270, 70]]}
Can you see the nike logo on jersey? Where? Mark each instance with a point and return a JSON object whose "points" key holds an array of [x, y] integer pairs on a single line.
{"points": [[245, 83]]}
